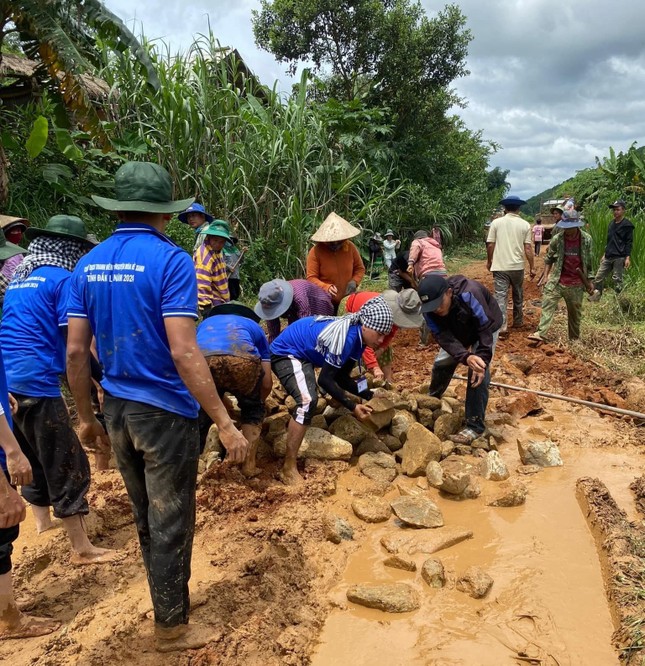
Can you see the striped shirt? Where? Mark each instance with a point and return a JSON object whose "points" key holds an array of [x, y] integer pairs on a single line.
{"points": [[308, 299], [212, 278]]}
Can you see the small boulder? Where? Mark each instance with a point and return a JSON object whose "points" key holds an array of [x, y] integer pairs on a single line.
{"points": [[390, 598], [401, 422], [318, 421], [455, 482], [447, 449], [544, 453], [520, 405], [276, 425], [446, 425], [433, 573], [372, 444], [463, 450], [521, 362], [371, 509], [426, 418], [392, 443], [317, 443], [475, 582], [398, 562], [337, 529], [320, 406], [421, 446], [417, 512], [379, 467], [434, 474], [348, 428], [480, 444], [427, 401], [512, 494], [528, 469], [382, 413], [439, 539], [333, 413], [494, 468], [290, 403]]}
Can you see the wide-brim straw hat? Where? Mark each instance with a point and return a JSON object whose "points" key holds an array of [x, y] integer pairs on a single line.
{"points": [[143, 187], [405, 306], [334, 229], [7, 221]]}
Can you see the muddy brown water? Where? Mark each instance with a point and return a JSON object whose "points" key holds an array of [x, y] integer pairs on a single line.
{"points": [[547, 601]]}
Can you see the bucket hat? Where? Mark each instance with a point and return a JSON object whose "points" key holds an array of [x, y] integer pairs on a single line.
{"points": [[619, 203], [431, 290], [62, 226], [334, 228], [8, 221], [570, 220], [377, 237], [7, 249], [143, 187], [418, 235], [233, 308], [558, 207], [274, 299], [389, 232], [512, 200], [194, 208], [216, 228], [405, 306]]}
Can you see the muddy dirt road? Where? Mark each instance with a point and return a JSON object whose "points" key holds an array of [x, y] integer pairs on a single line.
{"points": [[265, 574]]}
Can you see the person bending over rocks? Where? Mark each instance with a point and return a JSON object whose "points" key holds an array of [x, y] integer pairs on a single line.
{"points": [[237, 353], [334, 344], [34, 326], [464, 320]]}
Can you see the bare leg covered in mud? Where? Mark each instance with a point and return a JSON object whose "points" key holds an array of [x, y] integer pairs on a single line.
{"points": [[183, 637], [43, 519], [14, 623], [252, 434], [83, 551], [289, 474]]}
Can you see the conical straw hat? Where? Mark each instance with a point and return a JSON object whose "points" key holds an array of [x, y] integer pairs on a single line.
{"points": [[334, 228]]}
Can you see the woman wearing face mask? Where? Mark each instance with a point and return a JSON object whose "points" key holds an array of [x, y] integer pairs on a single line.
{"points": [[334, 263], [11, 254]]}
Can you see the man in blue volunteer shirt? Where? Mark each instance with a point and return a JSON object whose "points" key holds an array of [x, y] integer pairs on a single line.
{"points": [[14, 470], [334, 344], [33, 334], [464, 319], [137, 293], [237, 352]]}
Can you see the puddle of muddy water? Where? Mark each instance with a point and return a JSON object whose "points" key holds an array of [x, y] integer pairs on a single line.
{"points": [[547, 601]]}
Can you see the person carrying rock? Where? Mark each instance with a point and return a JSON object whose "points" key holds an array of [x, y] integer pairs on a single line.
{"points": [[334, 344], [137, 293], [464, 319], [567, 264], [406, 309], [616, 257], [237, 353], [293, 299], [333, 263]]}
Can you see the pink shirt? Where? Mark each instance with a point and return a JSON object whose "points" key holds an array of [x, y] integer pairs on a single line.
{"points": [[426, 256]]}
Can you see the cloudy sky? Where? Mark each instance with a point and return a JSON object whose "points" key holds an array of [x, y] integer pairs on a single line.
{"points": [[553, 82]]}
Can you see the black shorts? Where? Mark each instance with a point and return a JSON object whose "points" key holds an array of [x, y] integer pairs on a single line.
{"points": [[299, 380]]}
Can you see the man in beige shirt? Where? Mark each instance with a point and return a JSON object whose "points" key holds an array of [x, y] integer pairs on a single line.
{"points": [[508, 242]]}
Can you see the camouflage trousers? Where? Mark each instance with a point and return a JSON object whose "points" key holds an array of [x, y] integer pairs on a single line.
{"points": [[573, 299]]}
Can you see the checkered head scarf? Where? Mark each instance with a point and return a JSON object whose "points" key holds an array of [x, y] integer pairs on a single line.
{"points": [[50, 251], [375, 314]]}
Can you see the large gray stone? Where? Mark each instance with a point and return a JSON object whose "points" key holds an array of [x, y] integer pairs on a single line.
{"points": [[371, 509], [348, 428], [318, 444], [372, 444], [544, 453], [417, 511], [446, 425], [390, 598], [433, 573], [401, 422], [494, 468], [379, 467], [475, 582], [421, 446]]}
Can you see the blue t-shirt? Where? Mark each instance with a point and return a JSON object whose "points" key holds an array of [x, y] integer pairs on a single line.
{"points": [[234, 335], [125, 287], [4, 401], [33, 345], [299, 340]]}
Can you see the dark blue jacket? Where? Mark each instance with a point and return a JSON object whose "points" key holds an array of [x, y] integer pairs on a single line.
{"points": [[473, 318]]}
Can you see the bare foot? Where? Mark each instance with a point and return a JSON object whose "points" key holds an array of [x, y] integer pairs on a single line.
{"points": [[28, 626], [290, 477], [52, 524], [250, 471], [184, 637], [96, 556]]}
